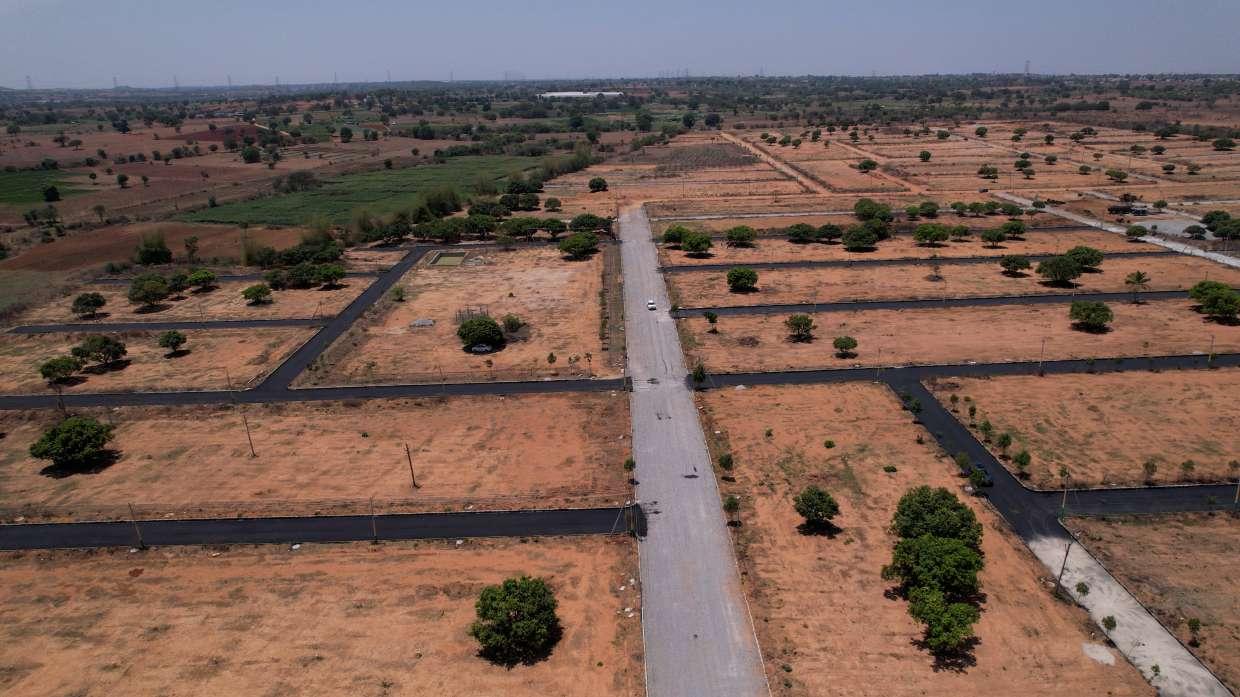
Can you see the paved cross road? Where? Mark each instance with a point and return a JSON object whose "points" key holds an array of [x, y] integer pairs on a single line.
{"points": [[698, 635]]}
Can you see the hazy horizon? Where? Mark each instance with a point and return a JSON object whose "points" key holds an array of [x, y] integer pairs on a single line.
{"points": [[62, 44]]}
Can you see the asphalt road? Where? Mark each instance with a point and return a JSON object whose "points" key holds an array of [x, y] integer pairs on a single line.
{"points": [[414, 526], [898, 261], [301, 359], [979, 301], [699, 638], [272, 395]]}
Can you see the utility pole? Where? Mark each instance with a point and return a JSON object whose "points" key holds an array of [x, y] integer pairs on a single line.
{"points": [[1064, 567], [412, 477], [248, 438], [133, 518]]}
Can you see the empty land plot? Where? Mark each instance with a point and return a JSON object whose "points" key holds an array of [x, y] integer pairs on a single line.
{"points": [[533, 451], [389, 619], [557, 299], [825, 622], [222, 302], [956, 335], [808, 285], [897, 247], [211, 359], [93, 248], [1105, 428], [1181, 567]]}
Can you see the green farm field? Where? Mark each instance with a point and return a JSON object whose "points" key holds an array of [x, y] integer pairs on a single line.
{"points": [[382, 192], [26, 186]]}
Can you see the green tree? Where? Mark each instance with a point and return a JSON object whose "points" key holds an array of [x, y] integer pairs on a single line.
{"points": [[148, 289], [257, 294], [122, 180], [867, 165], [202, 279], [696, 243], [931, 234], [1137, 281], [942, 563], [88, 304], [742, 279], [74, 444], [1013, 229], [741, 236], [329, 275], [100, 348], [1221, 305], [859, 238], [699, 373], [1013, 264], [1088, 257], [172, 340], [816, 506], [981, 131], [516, 621], [597, 184], [1059, 270], [830, 233], [993, 237], [676, 234], [1134, 233], [59, 369], [949, 626], [924, 155], [152, 250], [934, 511], [480, 330], [1090, 315], [800, 327], [844, 346], [712, 318], [579, 245], [801, 233]]}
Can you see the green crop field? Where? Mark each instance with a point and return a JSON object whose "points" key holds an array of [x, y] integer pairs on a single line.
{"points": [[382, 192], [20, 188]]}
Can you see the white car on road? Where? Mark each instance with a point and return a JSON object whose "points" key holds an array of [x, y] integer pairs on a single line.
{"points": [[650, 305]]}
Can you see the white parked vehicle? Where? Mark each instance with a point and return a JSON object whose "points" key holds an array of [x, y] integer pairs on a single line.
{"points": [[650, 305]]}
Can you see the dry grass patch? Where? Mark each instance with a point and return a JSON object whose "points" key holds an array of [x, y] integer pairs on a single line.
{"points": [[531, 451], [1105, 428], [212, 359], [353, 619], [825, 622], [1181, 567], [984, 334]]}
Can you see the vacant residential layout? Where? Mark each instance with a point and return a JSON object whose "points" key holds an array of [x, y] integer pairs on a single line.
{"points": [[440, 358]]}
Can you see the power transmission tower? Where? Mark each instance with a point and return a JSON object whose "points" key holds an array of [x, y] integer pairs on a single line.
{"points": [[1026, 68], [29, 84], [113, 82], [176, 84]]}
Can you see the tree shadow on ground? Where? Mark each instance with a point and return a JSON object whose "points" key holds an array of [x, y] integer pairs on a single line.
{"points": [[71, 381], [178, 353], [95, 465], [1068, 285], [828, 529], [1090, 329], [109, 367], [958, 661], [151, 309]]}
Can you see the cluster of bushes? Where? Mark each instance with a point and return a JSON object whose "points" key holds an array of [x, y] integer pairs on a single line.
{"points": [[150, 288], [304, 275], [316, 247], [1216, 300], [1063, 269], [936, 562]]}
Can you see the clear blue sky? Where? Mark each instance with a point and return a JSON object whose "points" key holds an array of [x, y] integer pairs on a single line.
{"points": [[83, 43]]}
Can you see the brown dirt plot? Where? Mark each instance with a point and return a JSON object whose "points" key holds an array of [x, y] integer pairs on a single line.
{"points": [[1180, 567], [1105, 427], [390, 619], [824, 622]]}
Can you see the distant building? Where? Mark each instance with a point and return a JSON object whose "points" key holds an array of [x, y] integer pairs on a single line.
{"points": [[579, 95]]}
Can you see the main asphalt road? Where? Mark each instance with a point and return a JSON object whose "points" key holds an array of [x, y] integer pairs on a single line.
{"points": [[699, 637]]}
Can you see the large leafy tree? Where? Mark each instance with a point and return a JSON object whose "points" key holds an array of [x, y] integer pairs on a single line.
{"points": [[76, 442], [517, 621]]}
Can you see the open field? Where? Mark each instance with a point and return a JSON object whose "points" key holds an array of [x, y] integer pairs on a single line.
{"points": [[210, 360], [820, 606], [556, 298], [1104, 428], [92, 249], [807, 285], [26, 187], [897, 247], [361, 619], [984, 334], [224, 301], [536, 451], [382, 192], [1180, 567]]}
